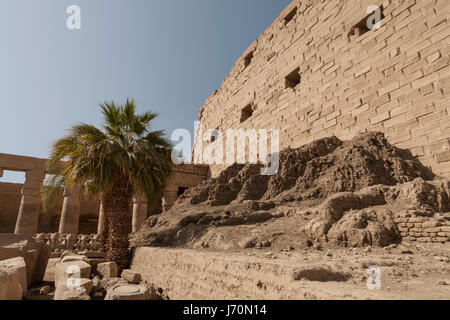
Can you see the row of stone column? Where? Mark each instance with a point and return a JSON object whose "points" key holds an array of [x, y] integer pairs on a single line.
{"points": [[30, 205]]}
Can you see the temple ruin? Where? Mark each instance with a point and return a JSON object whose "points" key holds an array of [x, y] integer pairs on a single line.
{"points": [[20, 205], [364, 120]]}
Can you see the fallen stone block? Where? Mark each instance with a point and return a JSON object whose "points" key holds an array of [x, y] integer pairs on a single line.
{"points": [[64, 270], [92, 254], [107, 284], [76, 294], [67, 275], [34, 252], [107, 270], [68, 257], [62, 288], [127, 292], [13, 279], [131, 276]]}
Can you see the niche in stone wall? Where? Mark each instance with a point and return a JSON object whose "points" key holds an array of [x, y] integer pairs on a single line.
{"points": [[290, 16], [248, 59], [293, 79], [247, 112], [365, 25]]}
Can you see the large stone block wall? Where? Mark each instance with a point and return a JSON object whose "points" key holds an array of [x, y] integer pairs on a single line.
{"points": [[423, 229], [395, 79], [9, 205], [196, 275]]}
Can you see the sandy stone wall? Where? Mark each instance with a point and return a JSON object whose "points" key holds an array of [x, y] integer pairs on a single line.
{"points": [[424, 229], [395, 79], [215, 275], [204, 274], [9, 205]]}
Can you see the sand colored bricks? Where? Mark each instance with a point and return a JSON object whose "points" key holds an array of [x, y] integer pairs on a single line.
{"points": [[318, 71]]}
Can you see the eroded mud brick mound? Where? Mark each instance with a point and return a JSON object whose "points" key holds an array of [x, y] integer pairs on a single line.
{"points": [[340, 179], [316, 170]]}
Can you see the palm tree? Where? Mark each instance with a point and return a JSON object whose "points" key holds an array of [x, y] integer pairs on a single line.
{"points": [[115, 162]]}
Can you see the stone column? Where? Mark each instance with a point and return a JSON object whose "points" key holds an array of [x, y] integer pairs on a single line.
{"points": [[169, 198], [70, 214], [30, 205], [101, 219], [139, 211]]}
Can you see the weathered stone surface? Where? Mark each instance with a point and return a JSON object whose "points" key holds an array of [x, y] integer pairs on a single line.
{"points": [[131, 276], [13, 279], [127, 292], [66, 270], [92, 254], [73, 257], [107, 284], [62, 288], [35, 254], [107, 270], [49, 275], [76, 294]]}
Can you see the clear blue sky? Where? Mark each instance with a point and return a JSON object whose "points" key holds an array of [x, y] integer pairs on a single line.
{"points": [[170, 55]]}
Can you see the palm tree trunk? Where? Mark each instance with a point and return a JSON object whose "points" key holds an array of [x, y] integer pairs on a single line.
{"points": [[118, 219]]}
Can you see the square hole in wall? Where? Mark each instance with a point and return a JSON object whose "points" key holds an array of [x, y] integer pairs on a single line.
{"points": [[293, 79], [290, 16], [247, 112], [248, 59], [362, 26]]}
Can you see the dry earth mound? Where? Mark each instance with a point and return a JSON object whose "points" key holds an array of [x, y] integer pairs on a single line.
{"points": [[329, 191], [316, 170]]}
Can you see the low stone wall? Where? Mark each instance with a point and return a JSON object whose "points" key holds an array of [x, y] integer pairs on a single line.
{"points": [[311, 274], [424, 229], [191, 274]]}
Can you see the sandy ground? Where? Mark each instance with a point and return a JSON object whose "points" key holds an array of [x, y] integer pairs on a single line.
{"points": [[407, 271]]}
